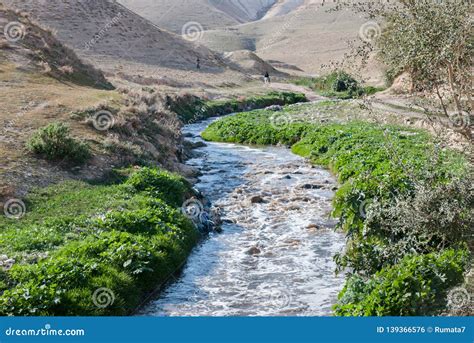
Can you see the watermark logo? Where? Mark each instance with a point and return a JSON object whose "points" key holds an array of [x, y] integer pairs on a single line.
{"points": [[103, 297], [14, 31], [192, 209], [460, 121], [458, 297], [192, 31], [370, 31], [103, 120], [279, 298], [14, 209], [364, 208], [90, 44], [6, 263], [280, 121]]}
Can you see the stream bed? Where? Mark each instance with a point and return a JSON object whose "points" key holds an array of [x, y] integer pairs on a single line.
{"points": [[275, 254]]}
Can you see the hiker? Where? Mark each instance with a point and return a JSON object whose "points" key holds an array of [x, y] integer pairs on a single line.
{"points": [[266, 78], [198, 63]]}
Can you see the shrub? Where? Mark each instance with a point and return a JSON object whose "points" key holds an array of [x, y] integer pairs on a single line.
{"points": [[338, 84], [54, 142], [344, 82], [417, 286], [161, 184]]}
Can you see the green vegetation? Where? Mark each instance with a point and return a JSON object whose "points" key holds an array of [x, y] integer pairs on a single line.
{"points": [[160, 184], [415, 287], [77, 238], [198, 109], [338, 84], [54, 142], [432, 42], [402, 201]]}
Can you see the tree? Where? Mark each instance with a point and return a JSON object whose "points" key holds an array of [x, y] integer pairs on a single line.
{"points": [[433, 42]]}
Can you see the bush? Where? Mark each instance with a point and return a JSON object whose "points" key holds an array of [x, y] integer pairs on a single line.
{"points": [[160, 184], [417, 286], [344, 82], [410, 224], [54, 142], [337, 84]]}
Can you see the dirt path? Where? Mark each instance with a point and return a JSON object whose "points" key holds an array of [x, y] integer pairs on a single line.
{"points": [[310, 95]]}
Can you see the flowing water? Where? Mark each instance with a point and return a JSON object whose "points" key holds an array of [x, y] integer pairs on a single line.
{"points": [[275, 255]]}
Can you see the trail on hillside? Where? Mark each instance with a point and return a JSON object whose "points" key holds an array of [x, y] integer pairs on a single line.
{"points": [[288, 87]]}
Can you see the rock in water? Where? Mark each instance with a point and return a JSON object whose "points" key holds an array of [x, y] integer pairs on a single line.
{"points": [[254, 251], [256, 199]]}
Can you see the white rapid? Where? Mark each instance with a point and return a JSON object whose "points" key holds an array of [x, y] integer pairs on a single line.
{"points": [[275, 255]]}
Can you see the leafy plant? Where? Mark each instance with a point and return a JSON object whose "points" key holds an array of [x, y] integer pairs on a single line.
{"points": [[416, 286], [160, 184], [79, 238], [54, 142]]}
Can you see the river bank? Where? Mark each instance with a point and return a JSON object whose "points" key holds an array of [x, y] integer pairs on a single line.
{"points": [[275, 254], [99, 246], [390, 177]]}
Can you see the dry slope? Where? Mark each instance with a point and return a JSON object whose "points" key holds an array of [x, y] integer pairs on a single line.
{"points": [[308, 36], [120, 41], [174, 14], [44, 82]]}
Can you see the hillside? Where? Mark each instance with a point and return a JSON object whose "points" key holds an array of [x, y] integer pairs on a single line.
{"points": [[302, 33], [173, 15], [283, 7], [124, 44], [250, 63], [33, 48], [44, 82], [307, 37]]}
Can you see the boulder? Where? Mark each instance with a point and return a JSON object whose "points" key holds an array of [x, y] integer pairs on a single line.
{"points": [[257, 199]]}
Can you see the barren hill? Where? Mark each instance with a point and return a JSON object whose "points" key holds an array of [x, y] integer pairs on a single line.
{"points": [[250, 63], [122, 43], [41, 81], [44, 82], [308, 36], [304, 33], [30, 47], [173, 15]]}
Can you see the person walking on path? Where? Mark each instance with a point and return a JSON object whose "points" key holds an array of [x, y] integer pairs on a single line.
{"points": [[198, 63], [266, 78]]}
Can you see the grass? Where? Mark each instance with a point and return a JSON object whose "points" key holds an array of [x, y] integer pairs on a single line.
{"points": [[380, 164], [46, 101], [198, 109], [330, 86], [75, 238]]}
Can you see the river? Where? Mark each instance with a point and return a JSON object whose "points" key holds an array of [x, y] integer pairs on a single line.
{"points": [[275, 254]]}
